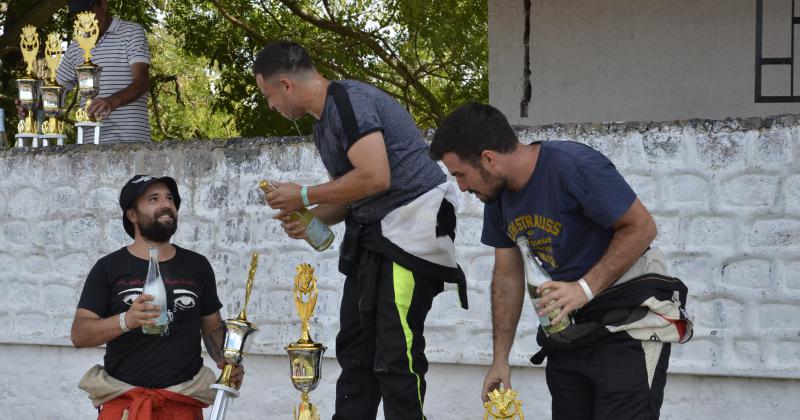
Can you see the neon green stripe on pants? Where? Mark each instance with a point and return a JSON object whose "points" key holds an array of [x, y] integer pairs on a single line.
{"points": [[403, 280]]}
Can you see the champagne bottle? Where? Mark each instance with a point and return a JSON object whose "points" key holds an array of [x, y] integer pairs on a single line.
{"points": [[318, 234], [154, 286], [535, 275]]}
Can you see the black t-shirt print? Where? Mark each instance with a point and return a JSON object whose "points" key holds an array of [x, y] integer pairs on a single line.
{"points": [[150, 361]]}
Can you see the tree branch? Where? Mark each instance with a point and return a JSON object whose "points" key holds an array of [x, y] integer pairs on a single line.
{"points": [[36, 14], [370, 41], [247, 28]]}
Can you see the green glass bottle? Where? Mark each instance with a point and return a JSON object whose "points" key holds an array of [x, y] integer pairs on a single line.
{"points": [[536, 275], [318, 234]]}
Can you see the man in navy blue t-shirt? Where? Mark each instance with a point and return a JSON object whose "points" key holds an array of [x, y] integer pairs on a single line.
{"points": [[586, 225]]}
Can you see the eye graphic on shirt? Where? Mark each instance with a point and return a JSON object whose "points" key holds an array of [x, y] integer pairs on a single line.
{"points": [[130, 295], [184, 299]]}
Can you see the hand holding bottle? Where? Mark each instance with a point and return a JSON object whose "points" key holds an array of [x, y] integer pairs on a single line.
{"points": [[300, 223], [141, 312], [293, 227], [563, 296], [285, 196]]}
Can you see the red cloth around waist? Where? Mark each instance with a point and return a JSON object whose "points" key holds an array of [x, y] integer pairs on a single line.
{"points": [[152, 404]]}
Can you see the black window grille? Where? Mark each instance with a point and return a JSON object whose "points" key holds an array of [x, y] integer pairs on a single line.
{"points": [[774, 61]]}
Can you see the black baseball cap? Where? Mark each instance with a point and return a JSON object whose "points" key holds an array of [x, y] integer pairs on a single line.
{"points": [[77, 6], [135, 187]]}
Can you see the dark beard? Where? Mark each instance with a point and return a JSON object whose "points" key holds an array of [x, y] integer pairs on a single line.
{"points": [[156, 231], [495, 186]]}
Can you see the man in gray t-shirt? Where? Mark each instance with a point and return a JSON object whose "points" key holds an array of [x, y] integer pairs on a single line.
{"points": [[400, 225], [354, 110]]}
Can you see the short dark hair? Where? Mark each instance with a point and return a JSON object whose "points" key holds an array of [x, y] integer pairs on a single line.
{"points": [[282, 57], [471, 129]]}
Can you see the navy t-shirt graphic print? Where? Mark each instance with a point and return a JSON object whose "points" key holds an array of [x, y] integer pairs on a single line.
{"points": [[566, 209]]}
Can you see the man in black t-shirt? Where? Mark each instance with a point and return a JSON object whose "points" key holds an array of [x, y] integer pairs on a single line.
{"points": [[112, 309]]}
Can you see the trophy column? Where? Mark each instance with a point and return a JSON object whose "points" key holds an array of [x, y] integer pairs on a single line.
{"points": [[305, 356], [86, 32], [52, 94], [28, 88], [237, 330]]}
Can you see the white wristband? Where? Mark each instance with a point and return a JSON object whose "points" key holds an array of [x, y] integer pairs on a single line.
{"points": [[122, 324], [586, 289]]}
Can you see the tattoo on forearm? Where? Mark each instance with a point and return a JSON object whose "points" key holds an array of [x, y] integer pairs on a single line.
{"points": [[213, 341]]}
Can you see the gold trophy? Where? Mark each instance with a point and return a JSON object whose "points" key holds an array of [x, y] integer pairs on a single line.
{"points": [[305, 356], [28, 87], [237, 330], [503, 404], [52, 92], [86, 31]]}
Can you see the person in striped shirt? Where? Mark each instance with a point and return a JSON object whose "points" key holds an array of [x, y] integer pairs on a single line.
{"points": [[123, 53]]}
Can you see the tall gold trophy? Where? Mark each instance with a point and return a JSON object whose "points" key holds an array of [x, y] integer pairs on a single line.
{"points": [[28, 87], [86, 32], [237, 330], [503, 404], [305, 356], [52, 93]]}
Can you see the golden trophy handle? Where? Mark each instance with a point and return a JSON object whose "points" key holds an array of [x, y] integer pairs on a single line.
{"points": [[307, 410], [251, 275]]}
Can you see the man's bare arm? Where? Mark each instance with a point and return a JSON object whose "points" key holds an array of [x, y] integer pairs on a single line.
{"points": [[370, 174], [90, 330], [508, 291], [138, 87], [331, 214], [633, 233], [213, 332]]}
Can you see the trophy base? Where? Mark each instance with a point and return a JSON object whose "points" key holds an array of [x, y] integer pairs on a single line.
{"points": [[59, 139], [81, 125], [21, 137]]}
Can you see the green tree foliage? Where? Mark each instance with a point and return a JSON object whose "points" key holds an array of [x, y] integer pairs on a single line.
{"points": [[430, 55], [182, 93]]}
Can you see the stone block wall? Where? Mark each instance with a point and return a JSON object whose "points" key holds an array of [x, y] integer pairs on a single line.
{"points": [[725, 196]]}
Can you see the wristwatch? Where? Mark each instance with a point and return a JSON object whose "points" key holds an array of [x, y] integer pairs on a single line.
{"points": [[122, 324]]}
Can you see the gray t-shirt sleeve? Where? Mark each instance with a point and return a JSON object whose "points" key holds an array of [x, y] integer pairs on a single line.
{"points": [[359, 116]]}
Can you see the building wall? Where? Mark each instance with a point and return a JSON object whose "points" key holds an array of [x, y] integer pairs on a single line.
{"points": [[636, 60], [725, 195]]}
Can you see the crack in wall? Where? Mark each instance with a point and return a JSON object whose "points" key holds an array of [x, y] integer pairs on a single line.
{"points": [[526, 69]]}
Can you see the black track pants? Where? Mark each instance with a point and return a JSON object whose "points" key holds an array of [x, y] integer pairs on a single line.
{"points": [[619, 380], [381, 350]]}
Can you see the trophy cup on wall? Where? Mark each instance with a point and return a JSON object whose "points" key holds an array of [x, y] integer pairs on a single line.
{"points": [[237, 330], [28, 88], [305, 356], [86, 32], [52, 93], [503, 404]]}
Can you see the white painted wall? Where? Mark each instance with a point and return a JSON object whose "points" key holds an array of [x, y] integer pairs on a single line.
{"points": [[637, 60], [725, 194]]}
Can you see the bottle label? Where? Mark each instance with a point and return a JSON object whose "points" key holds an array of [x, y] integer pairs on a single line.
{"points": [[317, 232]]}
